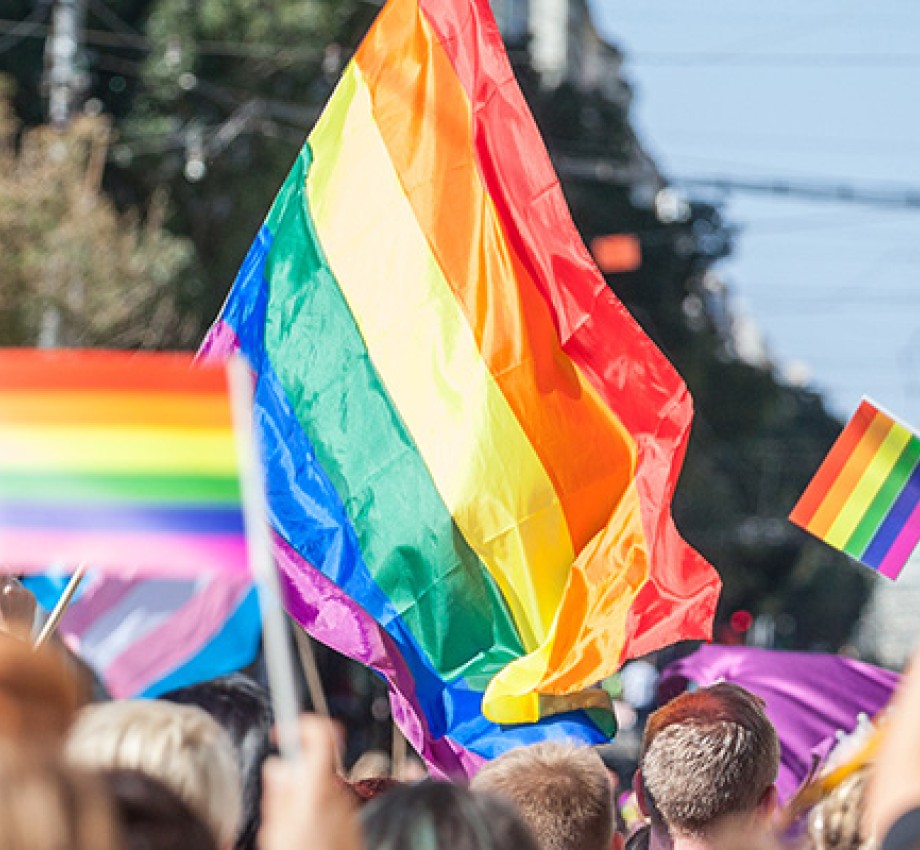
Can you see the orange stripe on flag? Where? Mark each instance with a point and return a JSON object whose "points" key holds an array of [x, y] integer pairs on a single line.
{"points": [[841, 490], [833, 464], [427, 128]]}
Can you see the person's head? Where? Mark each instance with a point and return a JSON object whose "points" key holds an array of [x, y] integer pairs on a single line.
{"points": [[707, 755], [178, 744], [45, 805], [836, 822], [40, 693], [243, 709], [152, 816], [433, 815], [562, 791]]}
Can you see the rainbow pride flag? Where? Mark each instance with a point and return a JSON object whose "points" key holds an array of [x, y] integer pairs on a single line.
{"points": [[471, 447], [123, 462], [865, 497]]}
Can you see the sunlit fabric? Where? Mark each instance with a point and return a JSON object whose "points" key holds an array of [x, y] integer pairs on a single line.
{"points": [[471, 447]]}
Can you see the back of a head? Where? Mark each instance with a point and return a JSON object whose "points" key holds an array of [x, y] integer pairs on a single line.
{"points": [[46, 805], [562, 791], [836, 822], [242, 708], [152, 816], [433, 815], [708, 755], [40, 693], [178, 744]]}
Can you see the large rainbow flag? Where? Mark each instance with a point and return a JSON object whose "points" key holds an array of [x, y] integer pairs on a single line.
{"points": [[471, 447], [124, 462], [865, 497]]}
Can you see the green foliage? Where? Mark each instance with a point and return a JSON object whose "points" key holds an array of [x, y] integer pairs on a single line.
{"points": [[74, 267], [211, 101]]}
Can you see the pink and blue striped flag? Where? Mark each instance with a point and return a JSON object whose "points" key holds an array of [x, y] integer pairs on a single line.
{"points": [[144, 637]]}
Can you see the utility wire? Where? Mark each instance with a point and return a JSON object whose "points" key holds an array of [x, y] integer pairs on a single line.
{"points": [[777, 60], [29, 27], [112, 19]]}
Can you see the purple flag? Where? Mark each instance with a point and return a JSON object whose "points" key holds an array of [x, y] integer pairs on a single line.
{"points": [[809, 696]]}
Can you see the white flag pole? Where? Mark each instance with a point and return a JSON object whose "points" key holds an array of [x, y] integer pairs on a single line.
{"points": [[279, 659], [55, 617]]}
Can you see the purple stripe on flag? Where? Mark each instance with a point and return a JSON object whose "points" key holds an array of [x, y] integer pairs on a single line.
{"points": [[177, 638], [893, 524], [338, 621], [220, 342], [110, 516]]}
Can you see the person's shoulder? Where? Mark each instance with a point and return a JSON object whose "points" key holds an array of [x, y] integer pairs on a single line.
{"points": [[904, 833]]}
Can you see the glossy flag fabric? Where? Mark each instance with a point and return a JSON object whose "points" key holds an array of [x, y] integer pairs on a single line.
{"points": [[865, 497], [124, 462], [470, 445]]}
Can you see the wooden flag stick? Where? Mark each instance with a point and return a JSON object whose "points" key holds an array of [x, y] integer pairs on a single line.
{"points": [[279, 660], [315, 683], [311, 671], [54, 619], [398, 753]]}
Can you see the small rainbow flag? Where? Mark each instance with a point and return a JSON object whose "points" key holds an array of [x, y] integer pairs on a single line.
{"points": [[865, 497], [124, 462]]}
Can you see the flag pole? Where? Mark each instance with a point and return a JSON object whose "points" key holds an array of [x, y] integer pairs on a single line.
{"points": [[279, 660], [398, 751], [311, 671], [55, 617]]}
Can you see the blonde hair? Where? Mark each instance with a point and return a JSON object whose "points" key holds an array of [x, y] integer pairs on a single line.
{"points": [[181, 745], [45, 805], [836, 822], [562, 791]]}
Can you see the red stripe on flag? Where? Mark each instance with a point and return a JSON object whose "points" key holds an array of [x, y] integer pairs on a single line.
{"points": [[832, 466]]}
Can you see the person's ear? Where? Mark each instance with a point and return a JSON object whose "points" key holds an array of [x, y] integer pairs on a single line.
{"points": [[769, 802], [639, 789]]}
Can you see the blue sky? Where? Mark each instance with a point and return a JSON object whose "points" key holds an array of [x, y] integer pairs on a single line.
{"points": [[798, 89]]}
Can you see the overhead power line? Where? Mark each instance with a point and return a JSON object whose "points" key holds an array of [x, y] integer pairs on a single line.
{"points": [[30, 27], [811, 189], [776, 60], [897, 197]]}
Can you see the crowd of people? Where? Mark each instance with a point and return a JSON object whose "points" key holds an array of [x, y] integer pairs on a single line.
{"points": [[196, 769]]}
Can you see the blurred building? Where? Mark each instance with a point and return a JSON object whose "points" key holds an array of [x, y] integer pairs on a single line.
{"points": [[888, 630], [564, 45]]}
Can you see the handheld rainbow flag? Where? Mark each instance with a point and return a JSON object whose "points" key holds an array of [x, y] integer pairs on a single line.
{"points": [[471, 446], [127, 462], [865, 497]]}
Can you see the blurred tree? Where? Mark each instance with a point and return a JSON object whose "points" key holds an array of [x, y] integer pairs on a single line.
{"points": [[211, 100], [75, 271]]}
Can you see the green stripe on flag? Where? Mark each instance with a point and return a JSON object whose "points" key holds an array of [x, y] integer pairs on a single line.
{"points": [[55, 487], [880, 506], [408, 538]]}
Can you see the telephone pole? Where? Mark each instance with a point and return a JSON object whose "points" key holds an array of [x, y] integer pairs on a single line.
{"points": [[65, 79]]}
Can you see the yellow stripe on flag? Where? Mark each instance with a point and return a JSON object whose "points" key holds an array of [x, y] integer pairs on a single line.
{"points": [[484, 466], [870, 483]]}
